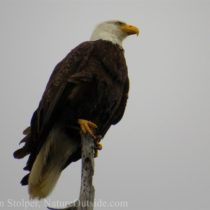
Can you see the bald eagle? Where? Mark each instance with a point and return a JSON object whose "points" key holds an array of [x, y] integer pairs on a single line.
{"points": [[86, 92]]}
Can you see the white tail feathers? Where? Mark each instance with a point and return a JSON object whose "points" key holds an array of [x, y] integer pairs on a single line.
{"points": [[49, 163]]}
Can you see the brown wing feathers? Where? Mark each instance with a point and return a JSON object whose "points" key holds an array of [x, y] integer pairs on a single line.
{"points": [[91, 82]]}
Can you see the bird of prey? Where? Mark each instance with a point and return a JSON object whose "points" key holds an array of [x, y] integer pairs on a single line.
{"points": [[87, 92]]}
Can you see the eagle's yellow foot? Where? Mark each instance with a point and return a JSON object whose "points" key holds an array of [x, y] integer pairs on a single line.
{"points": [[87, 127], [98, 146]]}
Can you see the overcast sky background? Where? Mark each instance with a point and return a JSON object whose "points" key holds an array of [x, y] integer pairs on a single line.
{"points": [[158, 156]]}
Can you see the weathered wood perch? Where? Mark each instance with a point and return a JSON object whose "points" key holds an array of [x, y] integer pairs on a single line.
{"points": [[87, 191]]}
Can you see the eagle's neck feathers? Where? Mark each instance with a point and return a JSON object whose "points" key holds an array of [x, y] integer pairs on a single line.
{"points": [[109, 32], [108, 37]]}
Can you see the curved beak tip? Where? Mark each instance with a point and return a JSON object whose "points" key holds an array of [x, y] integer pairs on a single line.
{"points": [[130, 29]]}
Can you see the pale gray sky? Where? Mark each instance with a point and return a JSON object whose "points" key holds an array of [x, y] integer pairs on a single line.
{"points": [[158, 156]]}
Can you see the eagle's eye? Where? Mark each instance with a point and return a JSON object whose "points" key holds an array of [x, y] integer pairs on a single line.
{"points": [[120, 23]]}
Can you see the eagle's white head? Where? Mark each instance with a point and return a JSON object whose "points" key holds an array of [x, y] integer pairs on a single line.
{"points": [[114, 31]]}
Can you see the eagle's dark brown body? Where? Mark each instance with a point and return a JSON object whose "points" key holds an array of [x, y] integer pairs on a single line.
{"points": [[91, 83]]}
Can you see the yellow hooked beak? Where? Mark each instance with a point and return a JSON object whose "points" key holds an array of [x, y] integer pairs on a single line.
{"points": [[129, 29]]}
